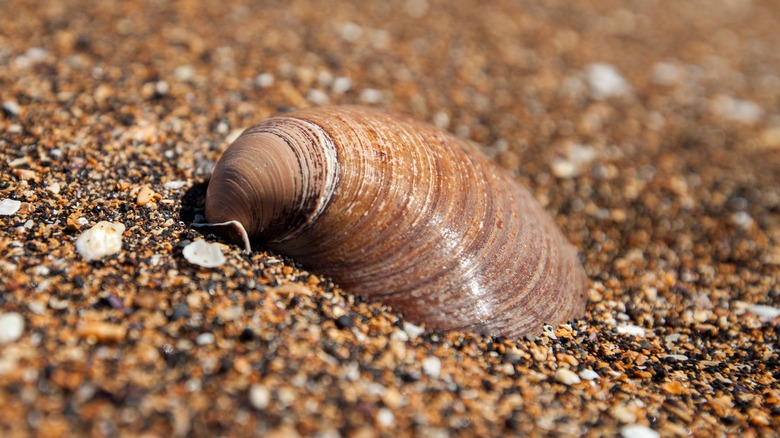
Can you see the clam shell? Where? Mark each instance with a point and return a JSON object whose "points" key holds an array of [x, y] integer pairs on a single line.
{"points": [[399, 210]]}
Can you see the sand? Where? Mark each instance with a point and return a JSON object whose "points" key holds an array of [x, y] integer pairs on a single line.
{"points": [[649, 130]]}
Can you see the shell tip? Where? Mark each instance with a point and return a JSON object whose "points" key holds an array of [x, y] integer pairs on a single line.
{"points": [[232, 230]]}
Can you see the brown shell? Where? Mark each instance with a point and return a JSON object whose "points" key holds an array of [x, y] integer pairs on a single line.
{"points": [[398, 210]]}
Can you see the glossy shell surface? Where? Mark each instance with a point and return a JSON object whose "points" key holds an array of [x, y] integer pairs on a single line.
{"points": [[396, 209]]}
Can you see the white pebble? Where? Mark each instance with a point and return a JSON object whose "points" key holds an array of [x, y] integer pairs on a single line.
{"points": [[666, 73], [104, 239], [205, 339], [589, 375], [566, 376], [370, 95], [765, 312], [264, 80], [631, 330], [413, 331], [350, 31], [259, 396], [638, 431], [184, 73], [202, 253], [11, 327], [174, 185], [317, 97], [605, 81], [431, 366], [737, 110], [341, 85], [54, 188], [11, 107], [385, 417], [9, 207]]}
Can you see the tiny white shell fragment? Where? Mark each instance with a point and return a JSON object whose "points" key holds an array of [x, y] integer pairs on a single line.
{"points": [[11, 327], [9, 207], [104, 239], [631, 330], [174, 185], [605, 81], [259, 396], [589, 375], [566, 376], [431, 366], [638, 431], [765, 312], [202, 253], [413, 331]]}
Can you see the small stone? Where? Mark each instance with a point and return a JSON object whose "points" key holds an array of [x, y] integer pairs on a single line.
{"points": [[264, 80], [205, 254], [145, 196], [54, 188], [385, 417], [11, 327], [674, 388], [9, 207], [765, 312], [631, 330], [605, 81], [370, 96], [566, 376], [345, 321], [182, 310], [104, 239], [675, 358], [589, 375], [413, 331], [205, 339], [259, 396], [101, 331], [638, 431], [341, 85], [174, 185], [317, 97], [184, 73], [11, 108], [431, 366]]}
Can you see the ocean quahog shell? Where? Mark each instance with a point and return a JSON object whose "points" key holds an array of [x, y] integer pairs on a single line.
{"points": [[399, 210]]}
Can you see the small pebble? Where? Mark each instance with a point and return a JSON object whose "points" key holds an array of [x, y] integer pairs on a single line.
{"points": [[566, 376], [104, 239], [205, 254], [589, 375], [765, 312], [264, 80], [11, 108], [101, 331], [370, 96], [385, 417], [145, 196], [345, 321], [317, 97], [431, 366], [341, 85], [605, 81], [413, 331], [259, 396], [9, 207], [11, 327], [631, 330], [174, 185], [205, 339], [638, 431]]}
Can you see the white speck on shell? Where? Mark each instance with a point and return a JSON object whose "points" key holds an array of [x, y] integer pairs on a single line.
{"points": [[11, 327], [202, 253], [638, 431], [104, 239], [9, 207]]}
